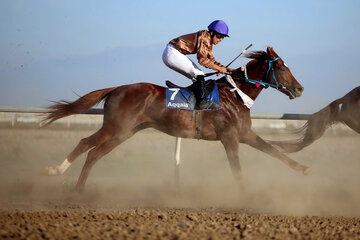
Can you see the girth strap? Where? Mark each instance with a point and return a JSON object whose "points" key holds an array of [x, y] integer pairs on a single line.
{"points": [[198, 123]]}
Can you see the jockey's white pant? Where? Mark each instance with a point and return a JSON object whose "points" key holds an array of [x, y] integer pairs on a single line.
{"points": [[180, 63]]}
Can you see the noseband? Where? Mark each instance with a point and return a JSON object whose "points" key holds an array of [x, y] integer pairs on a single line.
{"points": [[264, 83]]}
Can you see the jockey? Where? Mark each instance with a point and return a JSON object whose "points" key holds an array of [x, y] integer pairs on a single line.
{"points": [[200, 43]]}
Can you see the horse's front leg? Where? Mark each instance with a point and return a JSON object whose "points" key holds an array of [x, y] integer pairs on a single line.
{"points": [[231, 145], [257, 142]]}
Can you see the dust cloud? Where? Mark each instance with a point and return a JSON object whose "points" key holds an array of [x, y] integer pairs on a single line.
{"points": [[140, 173]]}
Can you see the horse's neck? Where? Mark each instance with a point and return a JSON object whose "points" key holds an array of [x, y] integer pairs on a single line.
{"points": [[250, 90], [255, 70]]}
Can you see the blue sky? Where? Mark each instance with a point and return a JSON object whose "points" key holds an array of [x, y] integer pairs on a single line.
{"points": [[51, 49]]}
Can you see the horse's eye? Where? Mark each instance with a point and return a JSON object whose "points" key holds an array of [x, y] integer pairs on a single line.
{"points": [[282, 69]]}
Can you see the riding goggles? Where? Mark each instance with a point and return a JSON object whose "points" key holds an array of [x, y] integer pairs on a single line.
{"points": [[219, 36]]}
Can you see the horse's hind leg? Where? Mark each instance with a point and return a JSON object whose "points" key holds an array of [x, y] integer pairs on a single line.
{"points": [[84, 145], [94, 155], [257, 142]]}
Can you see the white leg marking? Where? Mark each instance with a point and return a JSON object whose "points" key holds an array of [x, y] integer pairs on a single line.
{"points": [[59, 170]]}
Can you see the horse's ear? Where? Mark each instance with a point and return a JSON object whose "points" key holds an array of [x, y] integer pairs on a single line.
{"points": [[271, 53]]}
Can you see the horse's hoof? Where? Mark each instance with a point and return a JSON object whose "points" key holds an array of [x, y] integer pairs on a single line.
{"points": [[50, 171], [307, 171]]}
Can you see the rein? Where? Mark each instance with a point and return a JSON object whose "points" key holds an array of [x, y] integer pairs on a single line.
{"points": [[264, 83]]}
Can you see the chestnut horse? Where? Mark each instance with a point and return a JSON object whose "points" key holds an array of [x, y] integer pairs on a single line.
{"points": [[344, 110], [131, 108]]}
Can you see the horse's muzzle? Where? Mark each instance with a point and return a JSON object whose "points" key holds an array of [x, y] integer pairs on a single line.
{"points": [[291, 92], [299, 91]]}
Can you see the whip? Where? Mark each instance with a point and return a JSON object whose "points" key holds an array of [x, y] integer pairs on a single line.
{"points": [[217, 73]]}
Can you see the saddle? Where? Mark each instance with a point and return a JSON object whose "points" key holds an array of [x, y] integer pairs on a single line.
{"points": [[209, 86]]}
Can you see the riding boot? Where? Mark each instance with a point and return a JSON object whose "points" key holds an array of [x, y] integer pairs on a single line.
{"points": [[200, 92]]}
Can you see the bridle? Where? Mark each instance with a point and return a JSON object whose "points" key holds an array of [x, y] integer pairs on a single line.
{"points": [[264, 82]]}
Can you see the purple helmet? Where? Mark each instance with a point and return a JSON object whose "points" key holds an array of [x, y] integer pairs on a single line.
{"points": [[219, 26]]}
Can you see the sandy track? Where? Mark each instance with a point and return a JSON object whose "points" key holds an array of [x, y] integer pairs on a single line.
{"points": [[160, 223], [130, 193]]}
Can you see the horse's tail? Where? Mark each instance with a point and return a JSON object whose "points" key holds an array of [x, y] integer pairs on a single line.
{"points": [[64, 108], [314, 128]]}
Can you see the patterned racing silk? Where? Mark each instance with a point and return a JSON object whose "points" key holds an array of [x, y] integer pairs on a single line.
{"points": [[199, 43]]}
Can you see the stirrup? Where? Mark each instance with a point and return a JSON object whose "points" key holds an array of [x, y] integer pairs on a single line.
{"points": [[202, 104]]}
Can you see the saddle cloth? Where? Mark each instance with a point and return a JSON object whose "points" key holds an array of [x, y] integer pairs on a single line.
{"points": [[183, 98]]}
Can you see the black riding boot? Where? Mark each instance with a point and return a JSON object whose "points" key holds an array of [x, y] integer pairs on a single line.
{"points": [[200, 92]]}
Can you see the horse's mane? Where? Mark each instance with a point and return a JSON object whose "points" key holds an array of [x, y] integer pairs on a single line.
{"points": [[259, 55]]}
